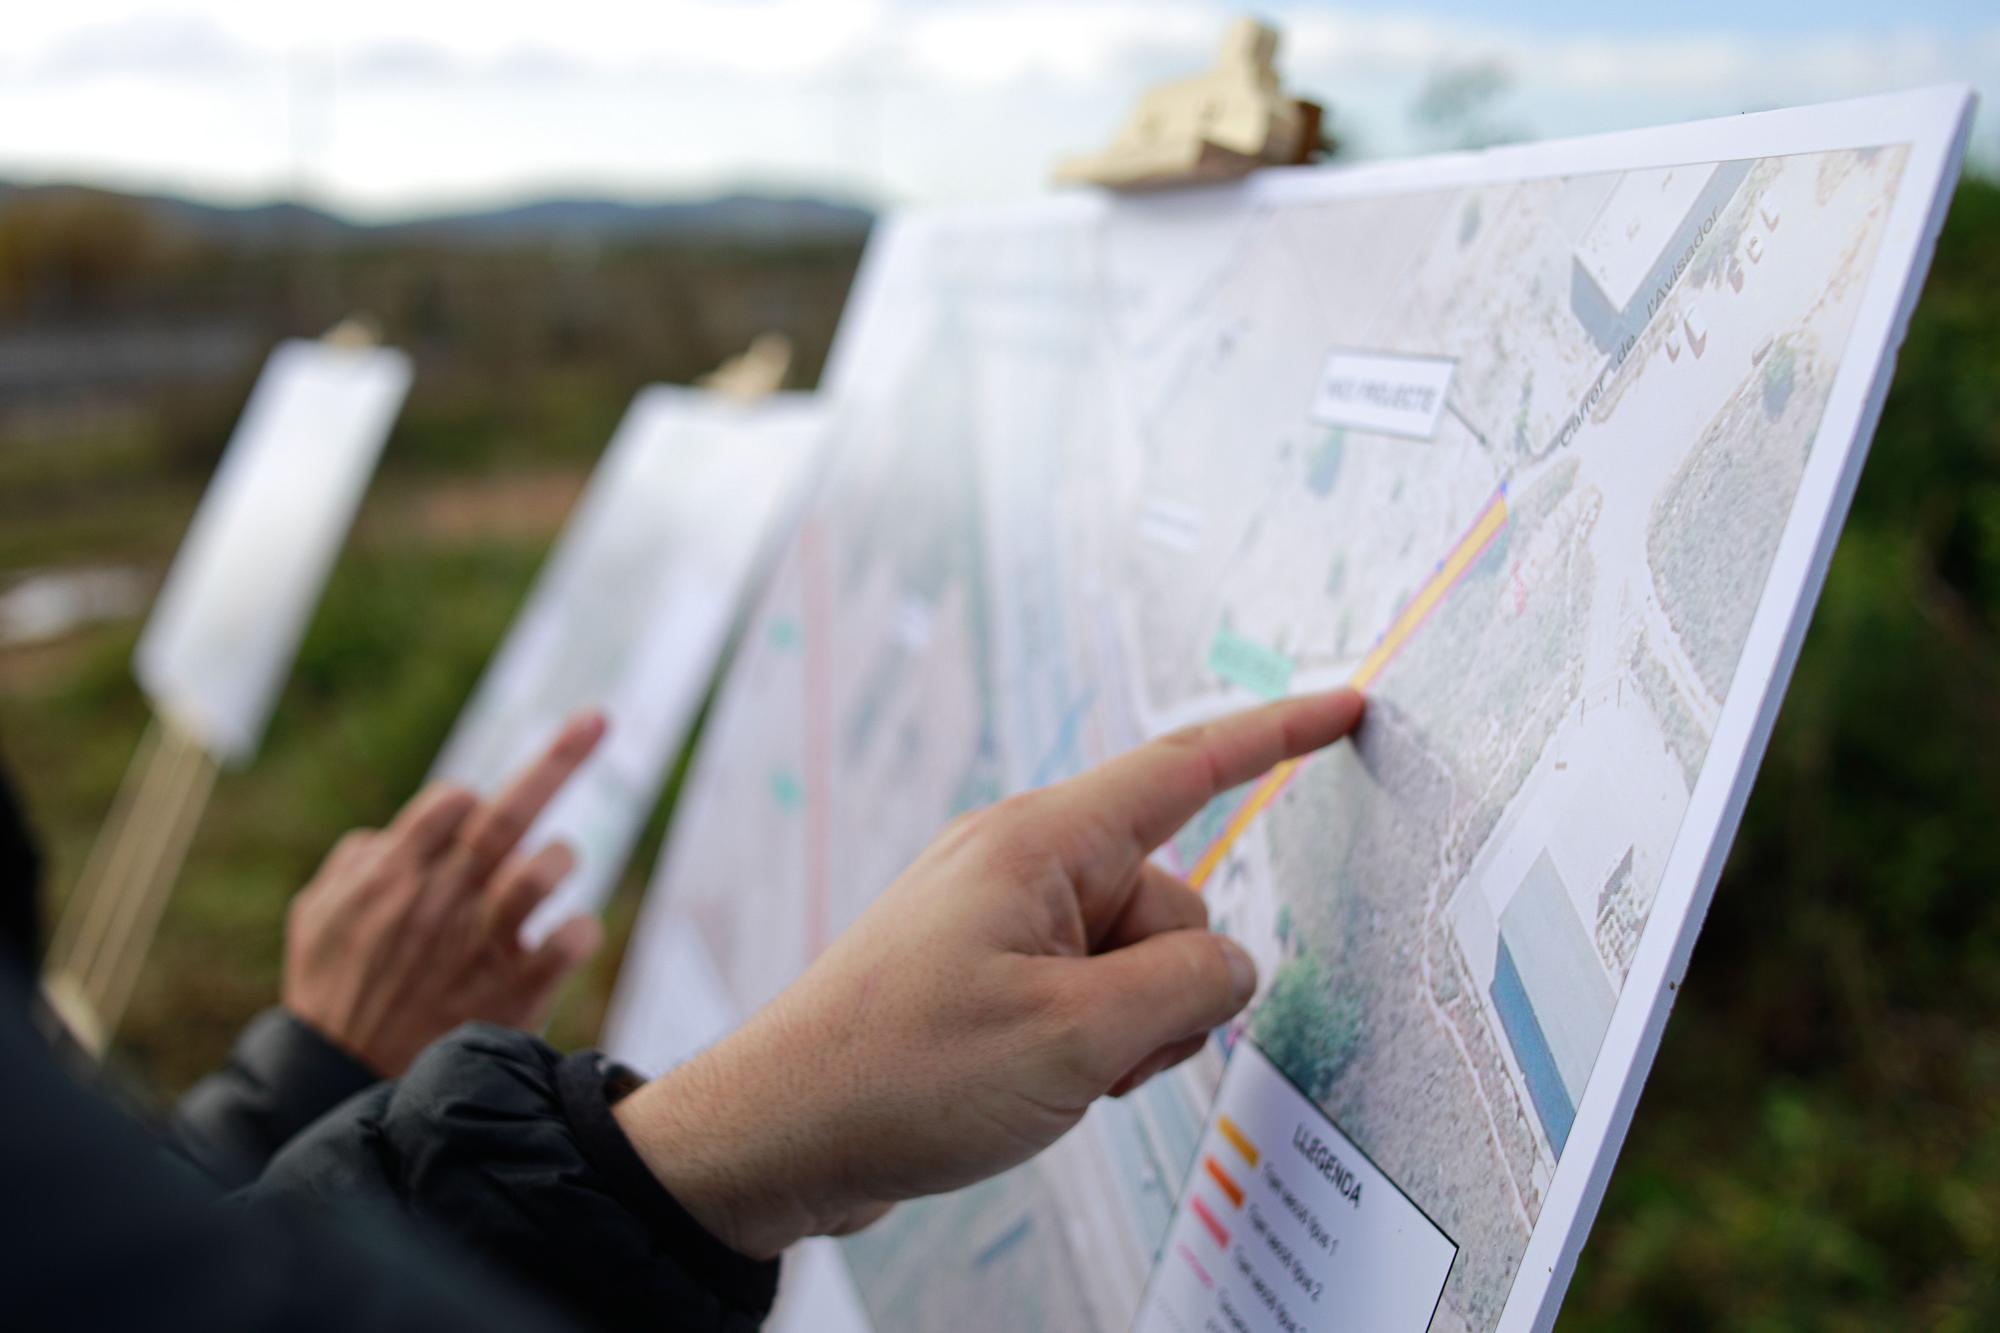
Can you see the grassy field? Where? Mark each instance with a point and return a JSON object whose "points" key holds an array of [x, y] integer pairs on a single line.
{"points": [[1819, 1147]]}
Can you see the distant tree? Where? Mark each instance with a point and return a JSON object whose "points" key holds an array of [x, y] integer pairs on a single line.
{"points": [[1849, 970], [67, 252], [1307, 1029], [1780, 373], [1456, 108]]}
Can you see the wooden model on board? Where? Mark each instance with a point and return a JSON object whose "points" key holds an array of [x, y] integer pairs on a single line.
{"points": [[1218, 125], [756, 372]]}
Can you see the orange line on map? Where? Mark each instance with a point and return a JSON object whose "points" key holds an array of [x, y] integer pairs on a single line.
{"points": [[1223, 1181], [1462, 557], [1260, 796], [1442, 580]]}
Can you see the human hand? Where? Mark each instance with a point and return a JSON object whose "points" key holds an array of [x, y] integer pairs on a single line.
{"points": [[406, 933], [1030, 961]]}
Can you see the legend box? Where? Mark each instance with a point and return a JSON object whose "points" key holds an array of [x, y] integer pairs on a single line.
{"points": [[1284, 1226]]}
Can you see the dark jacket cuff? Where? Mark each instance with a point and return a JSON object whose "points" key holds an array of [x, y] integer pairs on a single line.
{"points": [[282, 1075], [498, 1141], [588, 1085]]}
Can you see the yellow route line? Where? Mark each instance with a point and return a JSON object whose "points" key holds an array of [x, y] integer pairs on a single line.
{"points": [[1260, 796], [1237, 1139], [1432, 592], [1440, 583]]}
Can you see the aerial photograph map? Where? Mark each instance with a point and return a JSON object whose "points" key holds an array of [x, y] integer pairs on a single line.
{"points": [[1514, 457]]}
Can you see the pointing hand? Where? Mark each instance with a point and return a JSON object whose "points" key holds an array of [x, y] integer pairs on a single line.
{"points": [[1030, 961]]}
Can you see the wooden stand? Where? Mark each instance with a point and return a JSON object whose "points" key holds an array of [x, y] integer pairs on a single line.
{"points": [[356, 332], [756, 372], [107, 927], [1216, 126]]}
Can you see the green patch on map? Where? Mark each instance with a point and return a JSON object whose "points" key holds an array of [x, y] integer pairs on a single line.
{"points": [[1251, 665], [784, 634], [787, 790], [1323, 463]]}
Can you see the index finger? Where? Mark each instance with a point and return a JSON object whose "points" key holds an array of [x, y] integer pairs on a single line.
{"points": [[1156, 788], [492, 833], [425, 827]]}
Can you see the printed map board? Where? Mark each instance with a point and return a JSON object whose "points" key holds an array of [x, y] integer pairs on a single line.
{"points": [[629, 615], [227, 623], [1547, 448]]}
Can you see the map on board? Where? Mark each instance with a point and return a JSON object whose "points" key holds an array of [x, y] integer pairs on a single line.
{"points": [[630, 614], [1543, 451]]}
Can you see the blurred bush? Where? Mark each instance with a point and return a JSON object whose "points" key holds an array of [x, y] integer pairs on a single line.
{"points": [[1819, 1147], [130, 330]]}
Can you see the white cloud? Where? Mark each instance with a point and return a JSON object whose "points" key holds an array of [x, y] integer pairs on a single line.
{"points": [[387, 105], [174, 44], [989, 44]]}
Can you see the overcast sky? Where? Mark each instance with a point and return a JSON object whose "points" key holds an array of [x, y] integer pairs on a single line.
{"points": [[386, 107]]}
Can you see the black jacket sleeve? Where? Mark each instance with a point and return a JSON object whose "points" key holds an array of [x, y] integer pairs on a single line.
{"points": [[101, 1230], [511, 1149], [282, 1075]]}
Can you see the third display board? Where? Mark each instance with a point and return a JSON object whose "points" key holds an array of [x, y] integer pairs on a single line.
{"points": [[630, 615]]}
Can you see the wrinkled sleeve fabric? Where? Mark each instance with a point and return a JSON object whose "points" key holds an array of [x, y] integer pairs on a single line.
{"points": [[282, 1075], [101, 1230], [511, 1149]]}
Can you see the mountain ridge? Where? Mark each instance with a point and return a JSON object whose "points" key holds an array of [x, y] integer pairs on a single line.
{"points": [[559, 218]]}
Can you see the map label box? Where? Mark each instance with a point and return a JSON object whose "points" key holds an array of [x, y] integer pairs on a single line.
{"points": [[1285, 1226], [1384, 392]]}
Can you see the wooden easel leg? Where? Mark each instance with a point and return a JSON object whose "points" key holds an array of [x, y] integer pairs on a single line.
{"points": [[93, 902], [117, 975], [108, 923], [82, 924]]}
